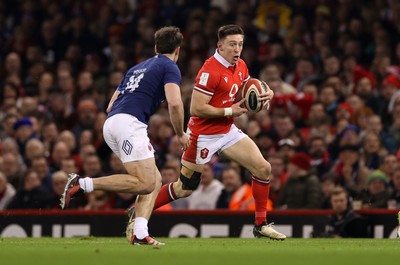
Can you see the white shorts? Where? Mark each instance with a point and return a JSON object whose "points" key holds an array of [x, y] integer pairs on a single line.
{"points": [[127, 137], [203, 147]]}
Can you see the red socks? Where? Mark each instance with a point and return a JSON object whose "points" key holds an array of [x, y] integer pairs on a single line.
{"points": [[166, 195], [260, 189]]}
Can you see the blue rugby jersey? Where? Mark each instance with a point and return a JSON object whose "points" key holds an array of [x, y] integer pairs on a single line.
{"points": [[142, 89]]}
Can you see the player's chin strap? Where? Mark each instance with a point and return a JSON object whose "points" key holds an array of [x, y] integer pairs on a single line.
{"points": [[192, 182]]}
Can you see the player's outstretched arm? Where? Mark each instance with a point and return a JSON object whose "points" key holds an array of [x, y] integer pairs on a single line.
{"points": [[113, 98], [176, 112], [200, 107]]}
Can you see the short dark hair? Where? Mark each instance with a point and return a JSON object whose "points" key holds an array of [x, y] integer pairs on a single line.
{"points": [[338, 190], [167, 39], [229, 30]]}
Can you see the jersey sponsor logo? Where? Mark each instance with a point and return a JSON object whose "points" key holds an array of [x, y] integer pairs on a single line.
{"points": [[234, 90], [204, 78], [127, 147], [204, 153]]}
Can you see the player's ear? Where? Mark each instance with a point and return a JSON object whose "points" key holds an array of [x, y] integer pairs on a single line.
{"points": [[219, 45]]}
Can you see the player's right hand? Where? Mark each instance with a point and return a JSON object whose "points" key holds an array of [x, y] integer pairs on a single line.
{"points": [[184, 141], [237, 110]]}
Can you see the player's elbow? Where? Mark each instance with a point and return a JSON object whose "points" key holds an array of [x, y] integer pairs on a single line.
{"points": [[175, 103]]}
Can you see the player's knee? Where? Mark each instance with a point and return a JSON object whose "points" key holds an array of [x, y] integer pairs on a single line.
{"points": [[263, 170], [148, 185]]}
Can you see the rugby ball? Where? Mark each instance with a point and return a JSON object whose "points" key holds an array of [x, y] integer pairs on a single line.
{"points": [[251, 92]]}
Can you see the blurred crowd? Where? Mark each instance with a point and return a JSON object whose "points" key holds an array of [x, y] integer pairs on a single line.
{"points": [[334, 121]]}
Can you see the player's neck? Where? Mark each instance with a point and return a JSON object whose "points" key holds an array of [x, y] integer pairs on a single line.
{"points": [[171, 56]]}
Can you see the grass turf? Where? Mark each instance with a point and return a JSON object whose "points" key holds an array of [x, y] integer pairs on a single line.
{"points": [[193, 251]]}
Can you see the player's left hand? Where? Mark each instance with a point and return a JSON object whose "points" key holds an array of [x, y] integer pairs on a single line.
{"points": [[267, 96], [184, 141]]}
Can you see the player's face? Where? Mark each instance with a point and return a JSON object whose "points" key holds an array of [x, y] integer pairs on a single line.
{"points": [[231, 47]]}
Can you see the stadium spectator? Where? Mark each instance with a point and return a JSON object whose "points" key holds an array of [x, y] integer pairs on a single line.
{"points": [[33, 148], [350, 172], [265, 143], [58, 182], [320, 158], [206, 195], [7, 192], [92, 166], [59, 152], [388, 166], [236, 194], [377, 194], [68, 165], [286, 148], [49, 135], [69, 139], [272, 75], [327, 186], [345, 222], [87, 114], [374, 125], [302, 189], [41, 167], [98, 200], [13, 168], [31, 195], [23, 132], [329, 98], [394, 198]]}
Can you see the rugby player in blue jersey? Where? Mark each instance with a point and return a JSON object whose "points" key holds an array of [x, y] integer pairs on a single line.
{"points": [[139, 95]]}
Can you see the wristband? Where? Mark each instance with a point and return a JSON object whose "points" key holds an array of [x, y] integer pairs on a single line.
{"points": [[227, 112]]}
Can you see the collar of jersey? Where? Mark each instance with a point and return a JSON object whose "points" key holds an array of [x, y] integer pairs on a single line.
{"points": [[222, 60]]}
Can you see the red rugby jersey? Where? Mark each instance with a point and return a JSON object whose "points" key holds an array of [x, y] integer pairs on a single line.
{"points": [[220, 80]]}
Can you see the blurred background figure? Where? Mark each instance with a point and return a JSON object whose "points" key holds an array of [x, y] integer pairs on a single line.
{"points": [[302, 189], [31, 195], [59, 180], [345, 222], [7, 192]]}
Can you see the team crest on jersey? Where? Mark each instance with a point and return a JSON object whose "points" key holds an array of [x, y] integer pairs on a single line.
{"points": [[204, 78], [226, 79], [240, 75], [204, 153]]}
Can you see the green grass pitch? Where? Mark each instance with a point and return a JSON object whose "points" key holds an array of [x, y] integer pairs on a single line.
{"points": [[193, 251]]}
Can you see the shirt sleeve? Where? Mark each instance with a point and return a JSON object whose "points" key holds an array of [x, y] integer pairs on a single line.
{"points": [[207, 81], [172, 74]]}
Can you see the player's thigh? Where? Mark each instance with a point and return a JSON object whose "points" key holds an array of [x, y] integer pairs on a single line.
{"points": [[189, 168], [246, 153], [144, 170], [201, 149]]}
